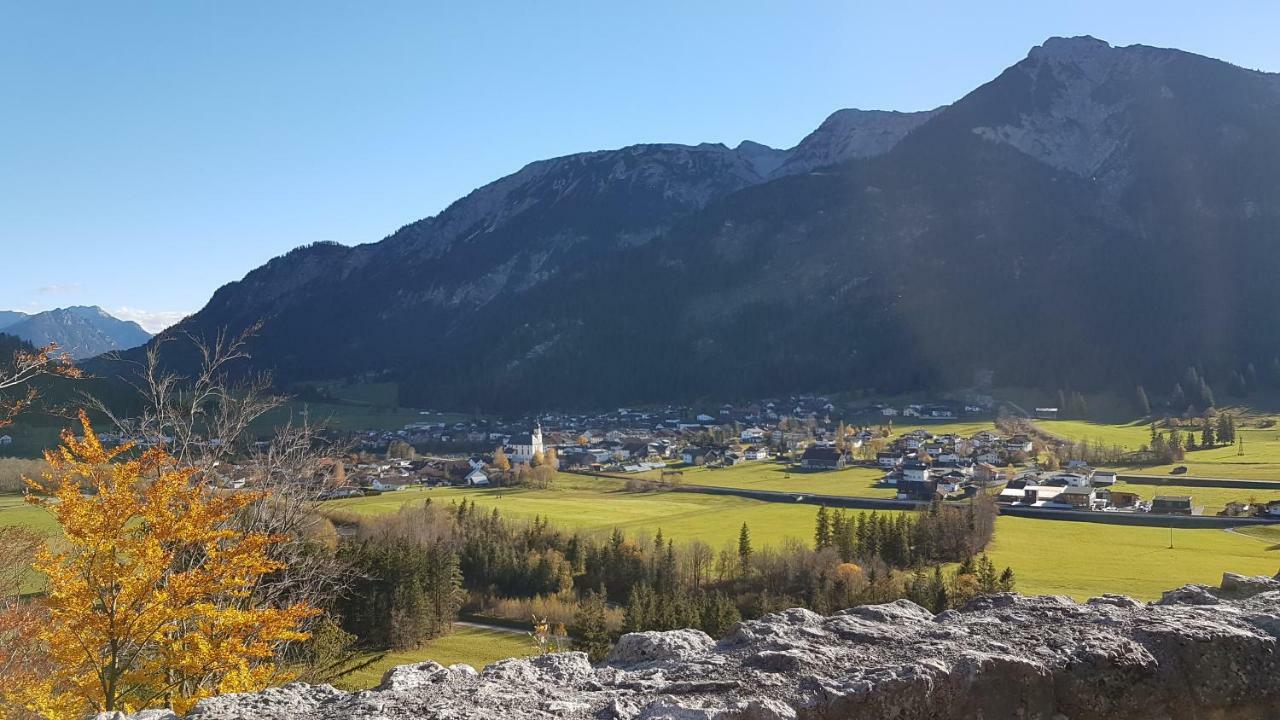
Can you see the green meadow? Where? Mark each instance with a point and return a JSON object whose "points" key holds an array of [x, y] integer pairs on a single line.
{"points": [[1258, 460], [1078, 559], [471, 645], [599, 505], [763, 475], [1212, 499]]}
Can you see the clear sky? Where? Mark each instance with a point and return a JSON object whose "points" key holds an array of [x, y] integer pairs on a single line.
{"points": [[152, 151]]}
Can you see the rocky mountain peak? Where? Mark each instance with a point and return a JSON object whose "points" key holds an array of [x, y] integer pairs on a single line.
{"points": [[82, 331], [851, 134], [1082, 48]]}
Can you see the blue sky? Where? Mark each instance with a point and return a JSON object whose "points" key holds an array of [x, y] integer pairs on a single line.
{"points": [[152, 151]]}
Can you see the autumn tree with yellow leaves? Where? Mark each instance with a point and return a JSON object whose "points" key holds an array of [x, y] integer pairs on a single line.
{"points": [[149, 603]]}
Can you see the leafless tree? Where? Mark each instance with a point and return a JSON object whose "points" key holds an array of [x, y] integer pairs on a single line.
{"points": [[201, 418], [207, 420], [18, 376]]}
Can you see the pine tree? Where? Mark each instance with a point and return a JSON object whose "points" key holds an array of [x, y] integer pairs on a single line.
{"points": [[1007, 581], [1207, 439], [988, 582], [941, 598], [822, 529], [638, 615], [744, 549], [720, 615], [590, 631], [1206, 396], [1143, 404]]}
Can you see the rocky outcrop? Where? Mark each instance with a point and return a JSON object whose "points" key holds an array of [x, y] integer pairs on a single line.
{"points": [[1002, 656]]}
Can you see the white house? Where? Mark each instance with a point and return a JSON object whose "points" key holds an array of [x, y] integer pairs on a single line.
{"points": [[888, 460], [477, 478], [889, 412], [752, 435]]}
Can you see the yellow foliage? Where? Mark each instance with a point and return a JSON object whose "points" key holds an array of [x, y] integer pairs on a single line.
{"points": [[150, 602]]}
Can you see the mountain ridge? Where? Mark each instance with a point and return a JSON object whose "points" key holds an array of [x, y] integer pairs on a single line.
{"points": [[743, 271], [81, 331]]}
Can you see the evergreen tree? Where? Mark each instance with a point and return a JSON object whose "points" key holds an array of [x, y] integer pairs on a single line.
{"points": [[1207, 439], [940, 596], [988, 581], [1206, 396], [1007, 581], [1226, 429], [822, 529], [719, 615], [744, 548], [589, 631], [638, 615], [1143, 405]]}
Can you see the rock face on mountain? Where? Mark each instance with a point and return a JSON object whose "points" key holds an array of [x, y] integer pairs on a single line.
{"points": [[851, 135], [80, 331], [1198, 653], [1088, 205]]}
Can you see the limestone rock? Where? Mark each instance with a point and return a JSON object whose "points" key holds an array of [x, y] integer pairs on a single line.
{"points": [[643, 647], [1198, 653]]}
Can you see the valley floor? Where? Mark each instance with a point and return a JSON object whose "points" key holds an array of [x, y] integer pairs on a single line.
{"points": [[1048, 556]]}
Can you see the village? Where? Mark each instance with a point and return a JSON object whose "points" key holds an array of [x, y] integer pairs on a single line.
{"points": [[803, 434]]}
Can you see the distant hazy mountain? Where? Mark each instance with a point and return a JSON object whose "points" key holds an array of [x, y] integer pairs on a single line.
{"points": [[82, 332], [9, 317], [1093, 216]]}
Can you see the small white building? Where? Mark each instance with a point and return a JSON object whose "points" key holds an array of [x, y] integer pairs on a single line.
{"points": [[477, 478]]}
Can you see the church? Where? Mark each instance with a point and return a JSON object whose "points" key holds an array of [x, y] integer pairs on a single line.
{"points": [[522, 448]]}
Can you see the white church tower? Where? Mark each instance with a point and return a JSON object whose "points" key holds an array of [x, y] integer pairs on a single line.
{"points": [[523, 448]]}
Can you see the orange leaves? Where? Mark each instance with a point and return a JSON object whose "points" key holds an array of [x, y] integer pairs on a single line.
{"points": [[150, 602]]}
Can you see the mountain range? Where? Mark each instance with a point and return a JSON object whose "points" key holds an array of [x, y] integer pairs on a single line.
{"points": [[1094, 216], [82, 332]]}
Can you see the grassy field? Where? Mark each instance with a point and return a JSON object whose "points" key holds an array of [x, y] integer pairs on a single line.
{"points": [[963, 429], [15, 511], [857, 481], [599, 506], [1071, 558], [1083, 559], [474, 646], [1212, 499], [1129, 436], [1260, 460]]}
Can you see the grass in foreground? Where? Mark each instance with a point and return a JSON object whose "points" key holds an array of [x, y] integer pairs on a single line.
{"points": [[474, 646]]}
